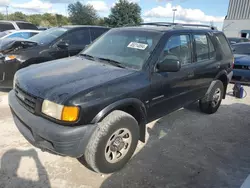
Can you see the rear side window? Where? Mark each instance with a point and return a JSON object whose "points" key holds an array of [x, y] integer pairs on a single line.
{"points": [[6, 26], [241, 49], [212, 52], [26, 26], [223, 44], [202, 48], [96, 32]]}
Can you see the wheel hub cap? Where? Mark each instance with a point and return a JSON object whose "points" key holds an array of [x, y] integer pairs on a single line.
{"points": [[216, 97], [118, 145]]}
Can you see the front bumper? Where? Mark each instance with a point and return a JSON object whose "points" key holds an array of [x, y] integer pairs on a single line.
{"points": [[49, 136]]}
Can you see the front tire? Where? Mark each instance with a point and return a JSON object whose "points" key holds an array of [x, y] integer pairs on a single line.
{"points": [[113, 142], [212, 101]]}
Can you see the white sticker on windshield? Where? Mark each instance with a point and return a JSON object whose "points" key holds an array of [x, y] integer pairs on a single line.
{"points": [[137, 45]]}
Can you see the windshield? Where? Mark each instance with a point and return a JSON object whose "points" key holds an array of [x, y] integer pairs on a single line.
{"points": [[48, 36], [130, 48], [243, 48]]}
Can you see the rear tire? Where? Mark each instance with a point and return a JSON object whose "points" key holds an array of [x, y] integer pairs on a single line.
{"points": [[212, 101], [112, 143]]}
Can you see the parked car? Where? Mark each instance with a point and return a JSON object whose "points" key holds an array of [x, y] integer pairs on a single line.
{"points": [[25, 34], [96, 105], [237, 40], [242, 61], [16, 25], [54, 43]]}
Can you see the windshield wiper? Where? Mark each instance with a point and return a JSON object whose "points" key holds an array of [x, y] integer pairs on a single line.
{"points": [[88, 56], [112, 62]]}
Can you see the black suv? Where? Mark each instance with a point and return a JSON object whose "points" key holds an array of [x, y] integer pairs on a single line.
{"points": [[51, 44], [96, 105]]}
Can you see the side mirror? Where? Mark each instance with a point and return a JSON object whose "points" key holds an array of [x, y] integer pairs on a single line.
{"points": [[63, 45], [171, 63]]}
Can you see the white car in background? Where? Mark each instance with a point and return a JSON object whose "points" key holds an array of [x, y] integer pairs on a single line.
{"points": [[24, 34]]}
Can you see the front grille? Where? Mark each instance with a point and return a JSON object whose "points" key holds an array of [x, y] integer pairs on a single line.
{"points": [[245, 67], [27, 100]]}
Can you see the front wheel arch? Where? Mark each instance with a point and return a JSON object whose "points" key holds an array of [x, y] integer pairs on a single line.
{"points": [[131, 106]]}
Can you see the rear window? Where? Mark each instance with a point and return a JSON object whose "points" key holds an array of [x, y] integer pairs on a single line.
{"points": [[223, 44], [241, 49], [26, 26], [6, 26]]}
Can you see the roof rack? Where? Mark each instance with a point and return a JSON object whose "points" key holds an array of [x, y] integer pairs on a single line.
{"points": [[175, 25]]}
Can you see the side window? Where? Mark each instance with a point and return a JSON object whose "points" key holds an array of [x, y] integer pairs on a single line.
{"points": [[212, 52], [6, 26], [96, 32], [178, 45], [77, 38], [202, 49], [223, 43]]}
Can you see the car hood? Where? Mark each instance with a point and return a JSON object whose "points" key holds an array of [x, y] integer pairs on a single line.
{"points": [[9, 44], [60, 79], [241, 59]]}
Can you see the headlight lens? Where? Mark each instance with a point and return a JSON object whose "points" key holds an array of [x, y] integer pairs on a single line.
{"points": [[60, 112], [9, 57]]}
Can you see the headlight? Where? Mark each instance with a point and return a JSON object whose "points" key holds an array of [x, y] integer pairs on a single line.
{"points": [[9, 57], [60, 112]]}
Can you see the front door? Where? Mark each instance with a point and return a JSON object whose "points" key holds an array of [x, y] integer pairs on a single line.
{"points": [[172, 90]]}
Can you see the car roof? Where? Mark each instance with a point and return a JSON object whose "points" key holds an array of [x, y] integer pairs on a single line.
{"points": [[7, 21], [23, 30], [82, 26]]}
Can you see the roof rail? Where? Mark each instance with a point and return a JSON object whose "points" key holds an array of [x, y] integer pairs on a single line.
{"points": [[169, 24]]}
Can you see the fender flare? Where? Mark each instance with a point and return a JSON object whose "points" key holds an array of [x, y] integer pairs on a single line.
{"points": [[123, 103], [223, 72]]}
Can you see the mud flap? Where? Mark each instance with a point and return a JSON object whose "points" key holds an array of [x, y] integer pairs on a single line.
{"points": [[2, 77], [2, 71], [206, 97]]}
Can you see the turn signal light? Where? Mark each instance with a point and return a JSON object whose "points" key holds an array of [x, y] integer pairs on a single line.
{"points": [[70, 113]]}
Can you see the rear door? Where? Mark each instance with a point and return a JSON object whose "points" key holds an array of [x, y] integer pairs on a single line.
{"points": [[172, 90], [206, 65]]}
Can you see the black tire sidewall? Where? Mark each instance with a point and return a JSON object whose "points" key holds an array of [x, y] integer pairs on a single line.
{"points": [[206, 105], [123, 121]]}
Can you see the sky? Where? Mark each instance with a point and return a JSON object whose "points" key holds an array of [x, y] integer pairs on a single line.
{"points": [[188, 11]]}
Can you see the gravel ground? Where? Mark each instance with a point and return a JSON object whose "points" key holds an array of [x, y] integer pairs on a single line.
{"points": [[186, 149]]}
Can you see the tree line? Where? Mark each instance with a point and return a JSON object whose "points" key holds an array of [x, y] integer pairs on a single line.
{"points": [[122, 13]]}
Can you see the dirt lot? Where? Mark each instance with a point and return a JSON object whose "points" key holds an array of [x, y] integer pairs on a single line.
{"points": [[186, 149]]}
